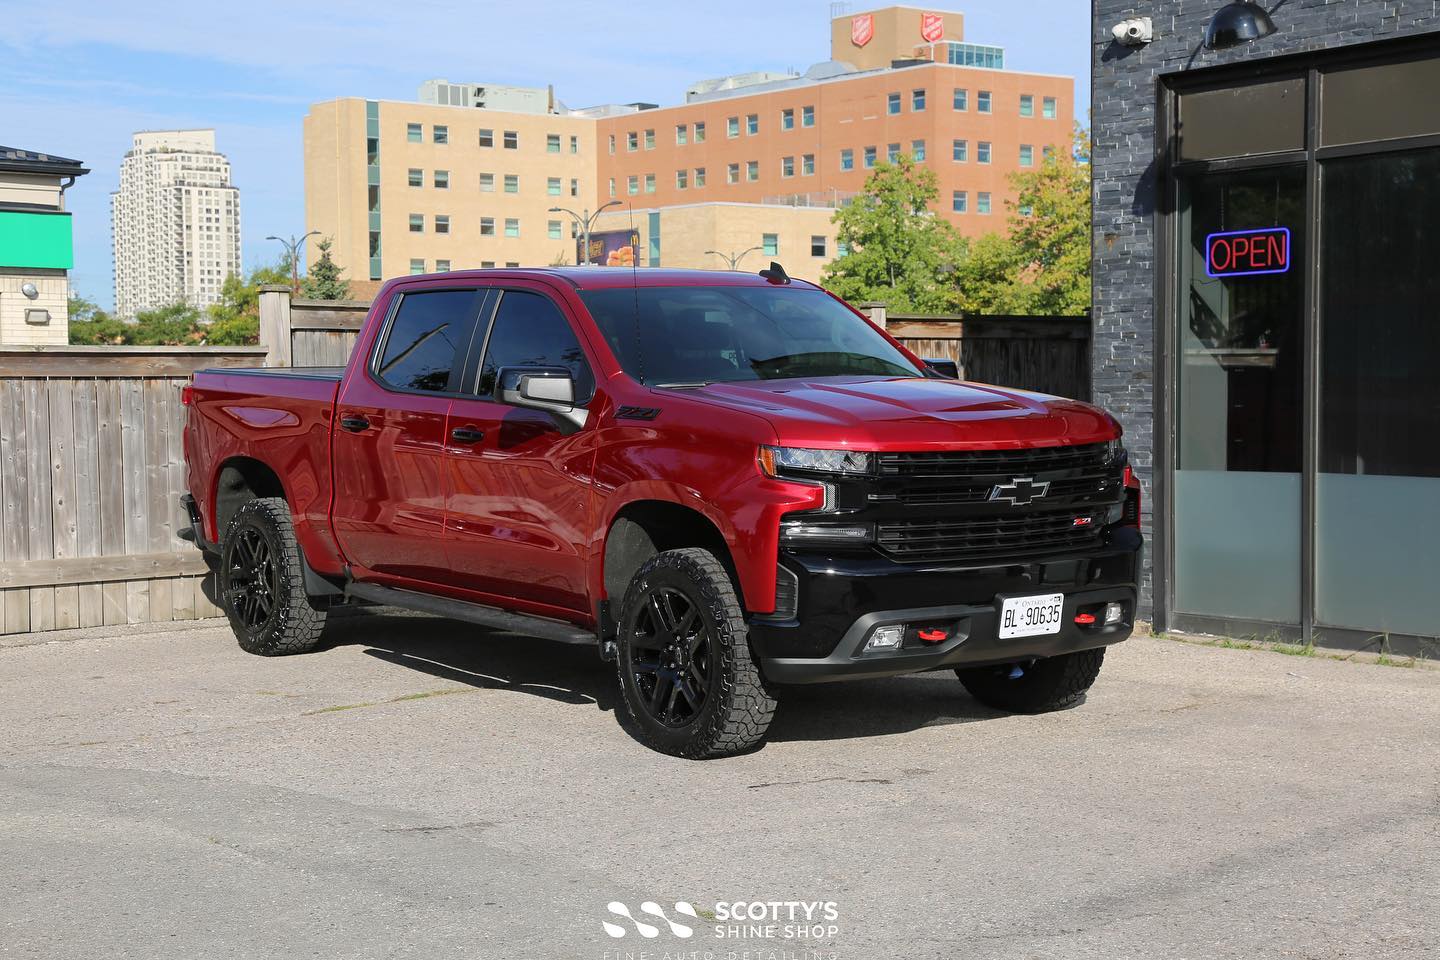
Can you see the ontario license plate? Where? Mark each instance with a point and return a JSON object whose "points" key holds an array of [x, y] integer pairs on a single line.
{"points": [[1031, 616]]}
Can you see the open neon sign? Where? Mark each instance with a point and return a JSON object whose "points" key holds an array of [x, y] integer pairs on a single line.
{"points": [[1243, 253]]}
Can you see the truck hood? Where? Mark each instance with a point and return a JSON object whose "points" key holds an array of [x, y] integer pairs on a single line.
{"points": [[910, 413]]}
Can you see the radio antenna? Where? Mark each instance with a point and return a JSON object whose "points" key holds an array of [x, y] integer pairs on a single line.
{"points": [[635, 290]]}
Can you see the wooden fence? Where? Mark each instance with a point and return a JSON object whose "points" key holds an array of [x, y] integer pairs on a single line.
{"points": [[91, 473], [308, 333]]}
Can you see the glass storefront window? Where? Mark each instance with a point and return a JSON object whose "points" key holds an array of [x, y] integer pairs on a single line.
{"points": [[1377, 546], [1240, 361]]}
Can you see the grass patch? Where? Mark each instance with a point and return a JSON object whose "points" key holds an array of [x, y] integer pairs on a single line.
{"points": [[1274, 643], [403, 698]]}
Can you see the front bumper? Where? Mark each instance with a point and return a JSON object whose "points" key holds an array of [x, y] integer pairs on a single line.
{"points": [[841, 599]]}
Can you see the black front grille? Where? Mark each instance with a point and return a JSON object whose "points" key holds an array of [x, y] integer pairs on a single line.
{"points": [[1027, 534], [1081, 475]]}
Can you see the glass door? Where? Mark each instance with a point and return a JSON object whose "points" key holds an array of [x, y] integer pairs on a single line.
{"points": [[1240, 355]]}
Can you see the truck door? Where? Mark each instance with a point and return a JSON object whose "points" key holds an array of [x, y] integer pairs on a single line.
{"points": [[389, 437], [517, 517]]}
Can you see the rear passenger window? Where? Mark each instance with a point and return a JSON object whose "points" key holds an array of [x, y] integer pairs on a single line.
{"points": [[530, 330], [428, 331]]}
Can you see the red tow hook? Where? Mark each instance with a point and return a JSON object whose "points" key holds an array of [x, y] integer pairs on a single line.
{"points": [[933, 636], [1084, 619]]}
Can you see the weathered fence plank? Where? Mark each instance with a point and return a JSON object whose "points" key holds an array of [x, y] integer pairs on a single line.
{"points": [[37, 469], [62, 494], [87, 495], [114, 596]]}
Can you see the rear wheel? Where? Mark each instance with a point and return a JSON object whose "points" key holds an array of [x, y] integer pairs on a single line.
{"points": [[1037, 686], [688, 681], [262, 582]]}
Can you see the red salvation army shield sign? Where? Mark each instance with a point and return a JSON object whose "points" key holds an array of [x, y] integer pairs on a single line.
{"points": [[862, 29], [932, 27]]}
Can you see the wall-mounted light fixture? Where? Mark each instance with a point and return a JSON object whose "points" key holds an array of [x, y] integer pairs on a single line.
{"points": [[1237, 23]]}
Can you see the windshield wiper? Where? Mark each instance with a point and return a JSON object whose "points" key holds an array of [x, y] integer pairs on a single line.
{"points": [[681, 385]]}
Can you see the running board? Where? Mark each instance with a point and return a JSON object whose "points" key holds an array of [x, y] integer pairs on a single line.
{"points": [[473, 613]]}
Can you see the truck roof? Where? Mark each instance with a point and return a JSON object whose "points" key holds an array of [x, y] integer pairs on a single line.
{"points": [[608, 278]]}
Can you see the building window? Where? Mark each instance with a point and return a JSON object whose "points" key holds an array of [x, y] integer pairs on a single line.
{"points": [[649, 183], [982, 151], [752, 170], [817, 245], [574, 187], [842, 249], [682, 179], [442, 179], [699, 177], [752, 123], [417, 223], [787, 166], [612, 186], [1026, 210], [807, 164], [1047, 152], [807, 116], [732, 173], [440, 133], [512, 140], [699, 131], [959, 201], [442, 266], [682, 134], [1047, 108], [847, 159], [487, 183], [553, 230], [1027, 105], [442, 223], [574, 144], [512, 227], [632, 141], [961, 99], [552, 143], [487, 264], [982, 202], [414, 132], [417, 177], [1027, 155], [892, 104], [512, 263], [982, 101], [917, 150], [417, 266], [552, 186], [787, 119], [960, 150], [892, 152], [512, 183], [869, 159], [917, 100], [612, 144], [732, 127], [770, 244], [632, 185], [487, 228], [487, 138]]}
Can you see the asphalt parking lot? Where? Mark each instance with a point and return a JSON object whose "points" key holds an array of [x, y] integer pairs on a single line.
{"points": [[423, 789]]}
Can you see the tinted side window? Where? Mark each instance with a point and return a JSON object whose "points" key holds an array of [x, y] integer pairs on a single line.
{"points": [[530, 330], [428, 331]]}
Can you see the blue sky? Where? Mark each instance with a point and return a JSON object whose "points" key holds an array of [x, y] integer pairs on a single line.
{"points": [[79, 78]]}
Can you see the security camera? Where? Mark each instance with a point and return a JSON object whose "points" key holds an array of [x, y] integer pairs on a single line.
{"points": [[1133, 32]]}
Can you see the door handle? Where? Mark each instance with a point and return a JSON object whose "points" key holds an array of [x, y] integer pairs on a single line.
{"points": [[467, 435], [354, 423]]}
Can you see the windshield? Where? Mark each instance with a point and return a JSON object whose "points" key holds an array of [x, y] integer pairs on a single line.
{"points": [[695, 335]]}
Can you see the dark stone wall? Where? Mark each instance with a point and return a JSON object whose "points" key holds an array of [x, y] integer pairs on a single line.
{"points": [[1124, 165]]}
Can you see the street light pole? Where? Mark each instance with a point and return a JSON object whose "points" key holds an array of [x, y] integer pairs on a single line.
{"points": [[733, 259], [292, 247], [585, 222]]}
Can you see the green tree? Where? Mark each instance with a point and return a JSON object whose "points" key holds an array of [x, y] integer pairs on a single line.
{"points": [[325, 280], [897, 250]]}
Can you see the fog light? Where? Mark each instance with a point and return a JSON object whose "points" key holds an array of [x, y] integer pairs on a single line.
{"points": [[885, 638], [835, 533], [1113, 613]]}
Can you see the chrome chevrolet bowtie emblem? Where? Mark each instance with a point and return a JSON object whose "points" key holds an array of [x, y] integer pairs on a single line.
{"points": [[1020, 491]]}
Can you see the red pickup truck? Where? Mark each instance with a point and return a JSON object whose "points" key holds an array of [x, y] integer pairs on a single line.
{"points": [[726, 482]]}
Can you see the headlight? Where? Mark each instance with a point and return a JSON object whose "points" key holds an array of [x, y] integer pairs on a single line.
{"points": [[777, 460]]}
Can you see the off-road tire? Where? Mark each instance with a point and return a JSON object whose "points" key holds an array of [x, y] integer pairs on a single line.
{"points": [[292, 624], [1052, 683], [738, 707]]}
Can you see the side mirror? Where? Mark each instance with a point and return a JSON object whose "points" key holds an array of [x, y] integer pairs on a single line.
{"points": [[944, 367], [551, 389]]}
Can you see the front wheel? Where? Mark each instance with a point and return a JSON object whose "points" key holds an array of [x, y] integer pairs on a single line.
{"points": [[686, 675], [262, 582], [1038, 686]]}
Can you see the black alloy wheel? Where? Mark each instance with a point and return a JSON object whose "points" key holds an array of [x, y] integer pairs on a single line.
{"points": [[251, 578], [671, 657], [261, 582]]}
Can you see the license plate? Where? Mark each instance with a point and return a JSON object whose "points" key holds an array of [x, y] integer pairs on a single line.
{"points": [[1031, 616]]}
